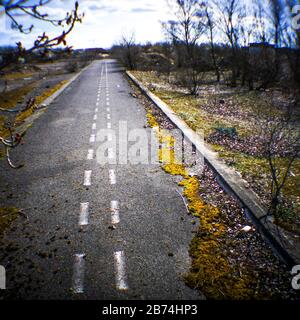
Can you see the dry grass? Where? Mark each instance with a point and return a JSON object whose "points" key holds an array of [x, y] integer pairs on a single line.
{"points": [[16, 76], [38, 100]]}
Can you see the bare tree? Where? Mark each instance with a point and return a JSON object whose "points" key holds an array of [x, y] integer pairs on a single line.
{"points": [[276, 12], [281, 147], [129, 51], [260, 28], [231, 14], [187, 28], [211, 25]]}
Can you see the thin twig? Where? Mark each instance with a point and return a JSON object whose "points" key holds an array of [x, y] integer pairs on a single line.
{"points": [[184, 201]]}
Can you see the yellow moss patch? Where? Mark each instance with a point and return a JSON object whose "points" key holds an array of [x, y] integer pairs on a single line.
{"points": [[151, 120], [210, 272], [49, 92], [166, 154], [7, 216], [24, 115]]}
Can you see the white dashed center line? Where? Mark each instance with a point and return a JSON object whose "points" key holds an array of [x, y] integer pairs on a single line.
{"points": [[112, 177], [87, 178], [94, 126], [121, 278], [95, 117], [92, 138], [108, 117], [110, 153], [114, 208], [90, 155], [108, 125], [84, 214], [78, 273]]}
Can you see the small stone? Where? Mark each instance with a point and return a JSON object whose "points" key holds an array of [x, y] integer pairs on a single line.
{"points": [[247, 229]]}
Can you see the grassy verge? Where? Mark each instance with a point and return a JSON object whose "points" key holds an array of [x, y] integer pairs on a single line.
{"points": [[38, 100], [16, 76], [9, 100], [239, 111], [227, 263]]}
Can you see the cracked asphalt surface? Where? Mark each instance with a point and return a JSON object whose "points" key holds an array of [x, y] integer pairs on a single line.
{"points": [[154, 231]]}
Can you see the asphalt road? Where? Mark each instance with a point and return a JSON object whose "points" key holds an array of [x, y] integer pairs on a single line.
{"points": [[94, 231]]}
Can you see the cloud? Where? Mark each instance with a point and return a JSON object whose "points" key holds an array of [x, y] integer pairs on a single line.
{"points": [[103, 8], [104, 23], [142, 10]]}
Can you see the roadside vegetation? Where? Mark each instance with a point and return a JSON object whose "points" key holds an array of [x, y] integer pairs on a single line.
{"points": [[233, 122], [237, 80], [230, 259], [231, 70]]}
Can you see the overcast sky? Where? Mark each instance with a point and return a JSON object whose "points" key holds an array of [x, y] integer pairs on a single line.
{"points": [[104, 23]]}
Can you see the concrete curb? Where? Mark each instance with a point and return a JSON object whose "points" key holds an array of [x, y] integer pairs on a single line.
{"points": [[231, 183]]}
